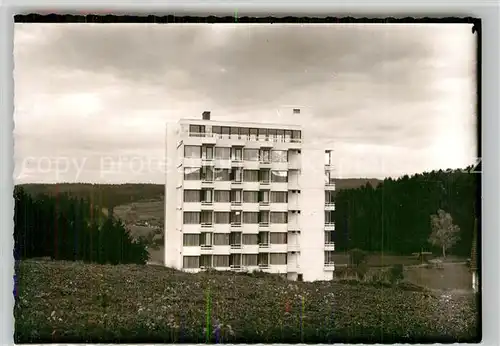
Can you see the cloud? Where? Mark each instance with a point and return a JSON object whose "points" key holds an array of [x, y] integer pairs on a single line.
{"points": [[108, 89]]}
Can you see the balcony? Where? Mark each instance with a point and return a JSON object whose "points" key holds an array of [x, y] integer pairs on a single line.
{"points": [[207, 225], [235, 184], [206, 248], [330, 186], [235, 267], [263, 224], [330, 226], [265, 164], [329, 206], [245, 138], [235, 246], [330, 266], [264, 266], [330, 246], [263, 205], [266, 184], [207, 205], [208, 162], [236, 224], [263, 245], [237, 163], [207, 183], [236, 205]]}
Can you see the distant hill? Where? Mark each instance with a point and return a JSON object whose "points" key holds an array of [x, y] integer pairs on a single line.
{"points": [[109, 195]]}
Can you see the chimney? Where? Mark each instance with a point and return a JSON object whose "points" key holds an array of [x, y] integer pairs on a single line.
{"points": [[296, 111], [206, 115]]}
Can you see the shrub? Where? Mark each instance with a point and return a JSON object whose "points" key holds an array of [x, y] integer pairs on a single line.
{"points": [[396, 273], [357, 257]]}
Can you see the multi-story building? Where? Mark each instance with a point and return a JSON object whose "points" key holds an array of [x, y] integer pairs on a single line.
{"points": [[248, 196]]}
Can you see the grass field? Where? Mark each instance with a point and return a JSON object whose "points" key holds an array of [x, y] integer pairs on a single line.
{"points": [[64, 302]]}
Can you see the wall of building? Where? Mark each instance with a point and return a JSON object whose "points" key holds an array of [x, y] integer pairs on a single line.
{"points": [[173, 238], [312, 203]]}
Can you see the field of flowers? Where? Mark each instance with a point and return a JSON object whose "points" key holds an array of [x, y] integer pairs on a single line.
{"points": [[73, 302]]}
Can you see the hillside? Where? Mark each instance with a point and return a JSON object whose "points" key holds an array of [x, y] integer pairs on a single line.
{"points": [[64, 302], [114, 195]]}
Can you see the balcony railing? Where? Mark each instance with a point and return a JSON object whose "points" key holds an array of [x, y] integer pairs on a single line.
{"points": [[264, 203], [264, 224], [249, 138], [264, 245], [236, 224], [265, 182], [206, 247], [236, 203], [236, 246], [263, 265], [207, 224]]}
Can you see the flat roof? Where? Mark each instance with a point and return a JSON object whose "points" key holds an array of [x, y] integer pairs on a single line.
{"points": [[240, 124]]}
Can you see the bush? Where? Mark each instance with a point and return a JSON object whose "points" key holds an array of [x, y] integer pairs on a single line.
{"points": [[396, 273], [357, 257]]}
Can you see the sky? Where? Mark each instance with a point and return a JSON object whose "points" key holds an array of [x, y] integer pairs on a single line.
{"points": [[92, 100]]}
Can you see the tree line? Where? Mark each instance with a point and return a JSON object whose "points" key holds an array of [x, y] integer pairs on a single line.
{"points": [[64, 227], [395, 216]]}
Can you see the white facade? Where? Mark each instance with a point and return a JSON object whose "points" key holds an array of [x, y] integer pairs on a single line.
{"points": [[248, 196]]}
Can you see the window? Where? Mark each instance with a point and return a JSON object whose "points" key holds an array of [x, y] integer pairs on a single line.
{"points": [[191, 262], [329, 178], [288, 135], [296, 136], [217, 131], [279, 217], [251, 154], [253, 134], [329, 197], [245, 133], [250, 239], [250, 217], [235, 238], [235, 260], [192, 173], [207, 196], [328, 158], [329, 259], [249, 260], [279, 176], [278, 258], [251, 196], [192, 196], [265, 176], [206, 261], [191, 217], [192, 151], [221, 261], [222, 174], [221, 239], [329, 237], [263, 135], [279, 238], [191, 240], [264, 197], [226, 131], [206, 217], [222, 217], [279, 197], [280, 135], [251, 175], [237, 175], [279, 156], [236, 196], [263, 238], [207, 174], [329, 217], [222, 153], [237, 154], [207, 152], [235, 132], [264, 217], [196, 130], [265, 155], [272, 135], [263, 259], [236, 217], [222, 196], [206, 239]]}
